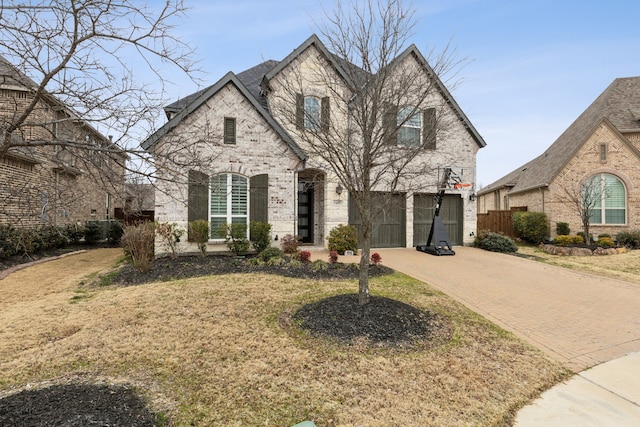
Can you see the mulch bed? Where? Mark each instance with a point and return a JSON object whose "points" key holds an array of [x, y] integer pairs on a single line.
{"points": [[383, 323]]}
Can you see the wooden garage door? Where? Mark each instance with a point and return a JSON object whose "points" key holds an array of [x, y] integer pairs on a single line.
{"points": [[389, 229], [450, 212]]}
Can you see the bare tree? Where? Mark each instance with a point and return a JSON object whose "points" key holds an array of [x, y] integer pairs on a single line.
{"points": [[100, 62], [585, 197], [378, 95]]}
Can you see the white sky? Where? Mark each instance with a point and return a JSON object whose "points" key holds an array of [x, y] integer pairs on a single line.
{"points": [[532, 66]]}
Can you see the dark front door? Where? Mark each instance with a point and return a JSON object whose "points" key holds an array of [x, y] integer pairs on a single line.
{"points": [[305, 212]]}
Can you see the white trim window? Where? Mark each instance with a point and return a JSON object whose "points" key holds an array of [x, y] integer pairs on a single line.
{"points": [[610, 204], [228, 202], [409, 127]]}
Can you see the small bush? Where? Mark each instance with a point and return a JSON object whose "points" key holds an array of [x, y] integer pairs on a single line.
{"points": [[269, 253], [600, 236], [290, 243], [304, 257], [137, 241], [605, 242], [630, 239], [532, 227], [236, 239], [260, 235], [92, 232], [169, 235], [333, 257], [376, 259], [199, 232], [581, 234], [114, 234], [319, 265], [495, 242], [568, 240], [562, 229], [274, 262], [343, 238]]}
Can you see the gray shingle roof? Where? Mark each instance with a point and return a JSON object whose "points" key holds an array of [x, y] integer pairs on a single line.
{"points": [[619, 104]]}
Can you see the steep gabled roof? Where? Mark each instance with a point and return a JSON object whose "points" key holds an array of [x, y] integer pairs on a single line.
{"points": [[617, 106], [444, 92], [199, 98]]}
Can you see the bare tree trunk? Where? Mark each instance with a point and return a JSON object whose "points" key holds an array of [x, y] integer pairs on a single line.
{"points": [[363, 282]]}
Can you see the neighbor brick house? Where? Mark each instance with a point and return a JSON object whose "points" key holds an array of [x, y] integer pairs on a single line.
{"points": [[603, 143], [251, 164], [44, 184]]}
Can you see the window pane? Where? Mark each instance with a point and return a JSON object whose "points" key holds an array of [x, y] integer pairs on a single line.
{"points": [[410, 127], [311, 112], [614, 216], [239, 195], [216, 224], [615, 197], [595, 216], [219, 194]]}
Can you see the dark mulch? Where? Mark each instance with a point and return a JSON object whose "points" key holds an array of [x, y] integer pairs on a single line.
{"points": [[76, 405], [164, 269]]}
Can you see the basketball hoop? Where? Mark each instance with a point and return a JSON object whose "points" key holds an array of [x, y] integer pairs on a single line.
{"points": [[462, 186]]}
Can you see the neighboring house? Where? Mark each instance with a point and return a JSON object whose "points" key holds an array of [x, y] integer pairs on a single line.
{"points": [[43, 184], [139, 204], [602, 144], [251, 166]]}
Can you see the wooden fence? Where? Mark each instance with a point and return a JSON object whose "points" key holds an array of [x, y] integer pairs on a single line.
{"points": [[498, 221]]}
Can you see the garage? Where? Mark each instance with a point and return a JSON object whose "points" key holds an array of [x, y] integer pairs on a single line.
{"points": [[451, 213], [389, 229]]}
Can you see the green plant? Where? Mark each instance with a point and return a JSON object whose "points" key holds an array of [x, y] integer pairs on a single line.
{"points": [[630, 239], [605, 242], [562, 229], [343, 238], [236, 237], [137, 241], [600, 236], [581, 234], [319, 265], [532, 227], [75, 233], [92, 232], [290, 243], [568, 240], [169, 235], [199, 233], [114, 234], [495, 242], [269, 253], [260, 235]]}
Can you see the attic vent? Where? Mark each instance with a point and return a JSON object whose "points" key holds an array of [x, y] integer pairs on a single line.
{"points": [[635, 114]]}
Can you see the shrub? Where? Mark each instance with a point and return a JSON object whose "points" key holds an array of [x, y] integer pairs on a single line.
{"points": [[269, 253], [581, 234], [568, 240], [169, 235], [376, 258], [630, 239], [318, 265], [333, 257], [605, 242], [343, 238], [532, 227], [260, 235], [137, 241], [600, 236], [304, 257], [114, 234], [7, 241], [290, 243], [495, 242], [199, 233], [236, 239], [562, 229], [92, 232], [75, 233]]}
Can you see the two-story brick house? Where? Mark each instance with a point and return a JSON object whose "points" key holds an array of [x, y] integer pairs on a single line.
{"points": [[251, 163], [44, 180], [603, 143]]}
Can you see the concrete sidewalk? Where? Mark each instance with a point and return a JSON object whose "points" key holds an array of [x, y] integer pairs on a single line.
{"points": [[582, 320]]}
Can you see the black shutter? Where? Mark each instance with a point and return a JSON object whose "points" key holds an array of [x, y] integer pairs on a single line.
{"points": [[299, 111], [390, 124], [325, 114], [198, 197], [229, 130], [429, 129], [259, 198]]}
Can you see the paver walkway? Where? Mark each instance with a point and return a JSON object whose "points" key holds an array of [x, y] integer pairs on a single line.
{"points": [[578, 319]]}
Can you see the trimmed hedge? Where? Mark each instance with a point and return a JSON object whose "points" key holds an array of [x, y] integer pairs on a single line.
{"points": [[532, 227]]}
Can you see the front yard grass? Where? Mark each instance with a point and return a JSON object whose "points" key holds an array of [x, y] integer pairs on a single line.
{"points": [[210, 351]]}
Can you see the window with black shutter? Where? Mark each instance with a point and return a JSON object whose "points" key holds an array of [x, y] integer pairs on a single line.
{"points": [[229, 130]]}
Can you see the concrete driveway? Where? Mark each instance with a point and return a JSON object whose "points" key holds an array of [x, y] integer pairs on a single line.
{"points": [[578, 319]]}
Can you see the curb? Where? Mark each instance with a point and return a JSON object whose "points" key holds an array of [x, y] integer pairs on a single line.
{"points": [[8, 271]]}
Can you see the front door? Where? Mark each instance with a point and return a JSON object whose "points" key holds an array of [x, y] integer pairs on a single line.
{"points": [[305, 211]]}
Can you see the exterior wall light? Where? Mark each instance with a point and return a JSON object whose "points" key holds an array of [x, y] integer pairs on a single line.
{"points": [[339, 189]]}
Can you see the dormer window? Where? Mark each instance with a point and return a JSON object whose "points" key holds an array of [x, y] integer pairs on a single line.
{"points": [[312, 113]]}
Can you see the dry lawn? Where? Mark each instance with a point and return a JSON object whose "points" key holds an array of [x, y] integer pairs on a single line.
{"points": [[621, 266], [211, 352]]}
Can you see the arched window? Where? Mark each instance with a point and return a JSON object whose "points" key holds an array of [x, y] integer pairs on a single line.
{"points": [[607, 197], [228, 202], [409, 127]]}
